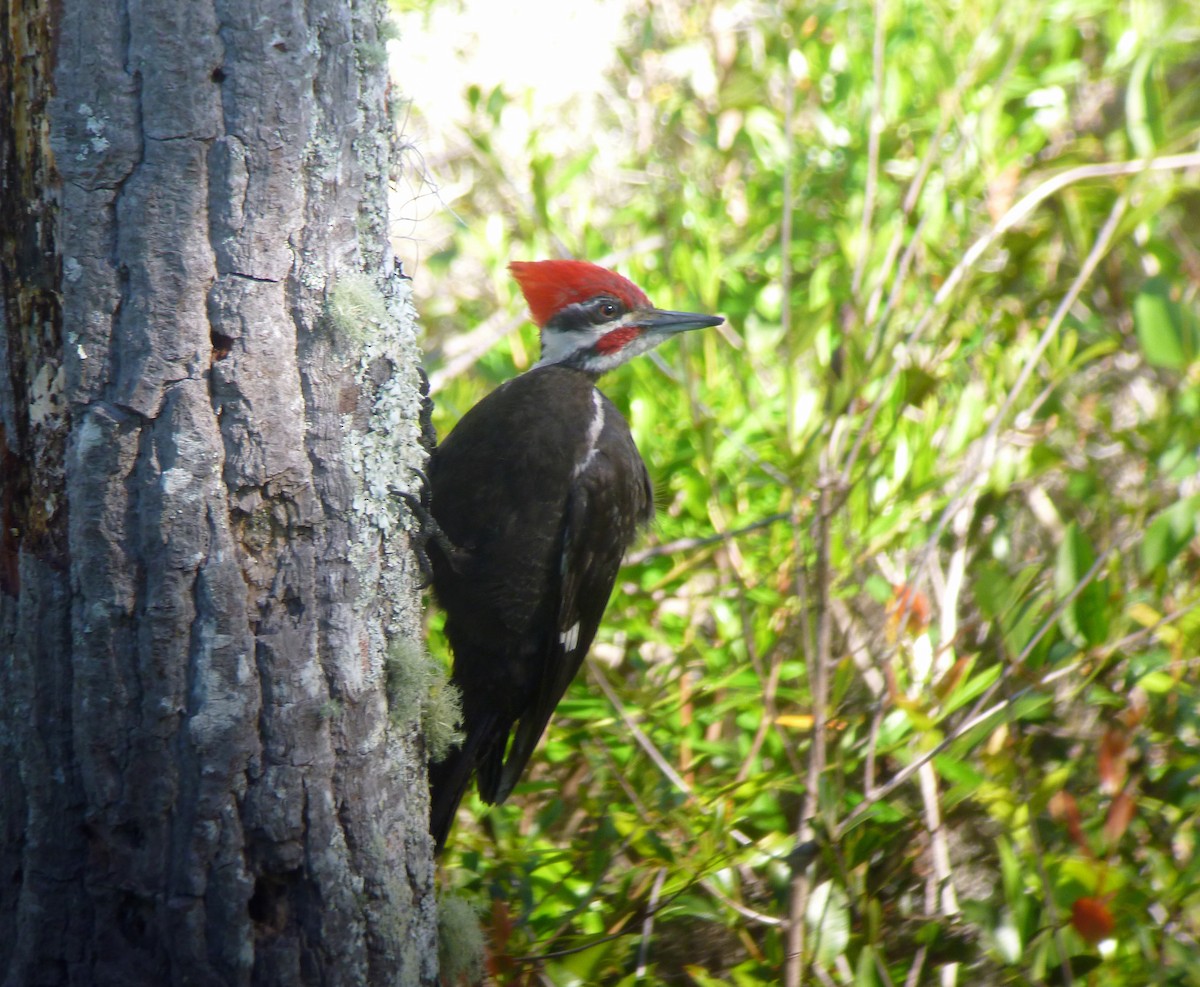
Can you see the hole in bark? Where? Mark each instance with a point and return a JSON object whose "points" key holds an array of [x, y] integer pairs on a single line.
{"points": [[130, 835], [218, 75], [221, 345], [135, 916], [269, 906]]}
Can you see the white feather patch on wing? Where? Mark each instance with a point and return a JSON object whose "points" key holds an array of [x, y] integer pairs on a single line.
{"points": [[570, 638]]}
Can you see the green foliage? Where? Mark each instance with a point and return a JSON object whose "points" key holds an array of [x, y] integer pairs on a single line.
{"points": [[950, 436]]}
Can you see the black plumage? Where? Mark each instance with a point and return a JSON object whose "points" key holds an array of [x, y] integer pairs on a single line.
{"points": [[524, 597]]}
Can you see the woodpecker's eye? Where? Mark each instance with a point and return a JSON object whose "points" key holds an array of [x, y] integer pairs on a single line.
{"points": [[606, 309]]}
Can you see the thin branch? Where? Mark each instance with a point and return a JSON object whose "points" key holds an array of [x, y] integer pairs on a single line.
{"points": [[690, 544], [979, 52], [985, 448], [1016, 214], [648, 924], [870, 798], [785, 222], [742, 910], [914, 971], [874, 129], [1021, 210], [818, 654], [648, 745]]}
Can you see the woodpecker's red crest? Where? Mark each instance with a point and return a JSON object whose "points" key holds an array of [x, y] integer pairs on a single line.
{"points": [[549, 286]]}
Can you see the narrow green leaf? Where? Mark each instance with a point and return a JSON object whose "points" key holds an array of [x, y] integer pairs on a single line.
{"points": [[828, 920], [1169, 533], [865, 974], [1161, 327], [1143, 107], [1085, 619]]}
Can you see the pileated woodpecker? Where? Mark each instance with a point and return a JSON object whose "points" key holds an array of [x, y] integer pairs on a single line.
{"points": [[539, 490]]}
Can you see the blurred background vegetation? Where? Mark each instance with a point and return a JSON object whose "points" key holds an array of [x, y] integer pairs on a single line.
{"points": [[902, 686]]}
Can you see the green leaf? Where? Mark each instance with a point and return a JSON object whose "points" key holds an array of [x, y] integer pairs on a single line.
{"points": [[1085, 618], [828, 921], [1168, 534], [702, 978], [865, 974], [1167, 334], [1143, 107]]}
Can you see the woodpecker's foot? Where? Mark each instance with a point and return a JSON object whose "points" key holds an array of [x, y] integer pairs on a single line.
{"points": [[428, 432], [426, 530]]}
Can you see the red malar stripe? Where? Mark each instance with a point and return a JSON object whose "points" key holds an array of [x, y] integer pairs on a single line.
{"points": [[615, 340]]}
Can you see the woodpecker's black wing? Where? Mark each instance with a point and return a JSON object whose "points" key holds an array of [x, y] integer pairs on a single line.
{"points": [[609, 498]]}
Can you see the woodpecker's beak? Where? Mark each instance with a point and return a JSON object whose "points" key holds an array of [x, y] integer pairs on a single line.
{"points": [[664, 323]]}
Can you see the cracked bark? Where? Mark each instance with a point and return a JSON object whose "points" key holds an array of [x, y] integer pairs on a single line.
{"points": [[200, 781]]}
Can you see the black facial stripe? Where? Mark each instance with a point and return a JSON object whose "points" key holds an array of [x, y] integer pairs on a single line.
{"points": [[583, 315]]}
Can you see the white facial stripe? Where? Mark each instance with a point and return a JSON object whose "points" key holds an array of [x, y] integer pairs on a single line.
{"points": [[559, 345], [577, 347], [595, 427]]}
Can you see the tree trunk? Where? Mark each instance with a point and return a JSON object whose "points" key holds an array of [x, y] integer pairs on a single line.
{"points": [[208, 400]]}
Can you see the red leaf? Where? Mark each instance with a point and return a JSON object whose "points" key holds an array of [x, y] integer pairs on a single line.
{"points": [[1064, 808], [1120, 813], [910, 606], [1114, 750], [499, 958], [1092, 919]]}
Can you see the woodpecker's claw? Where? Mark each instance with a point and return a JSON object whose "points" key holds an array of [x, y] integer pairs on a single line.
{"points": [[425, 417], [426, 530]]}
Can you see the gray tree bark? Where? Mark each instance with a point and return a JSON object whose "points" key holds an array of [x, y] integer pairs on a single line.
{"points": [[207, 402]]}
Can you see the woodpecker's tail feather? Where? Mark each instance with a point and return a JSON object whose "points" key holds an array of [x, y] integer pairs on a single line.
{"points": [[448, 781]]}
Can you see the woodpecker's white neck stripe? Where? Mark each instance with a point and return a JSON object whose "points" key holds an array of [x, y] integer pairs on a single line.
{"points": [[595, 427]]}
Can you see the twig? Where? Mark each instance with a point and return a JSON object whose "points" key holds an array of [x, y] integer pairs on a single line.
{"points": [[1016, 214], [648, 745], [914, 971], [1021, 210], [974, 720], [785, 221], [874, 128], [974, 473], [689, 544], [648, 924], [979, 52], [818, 655], [742, 910]]}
